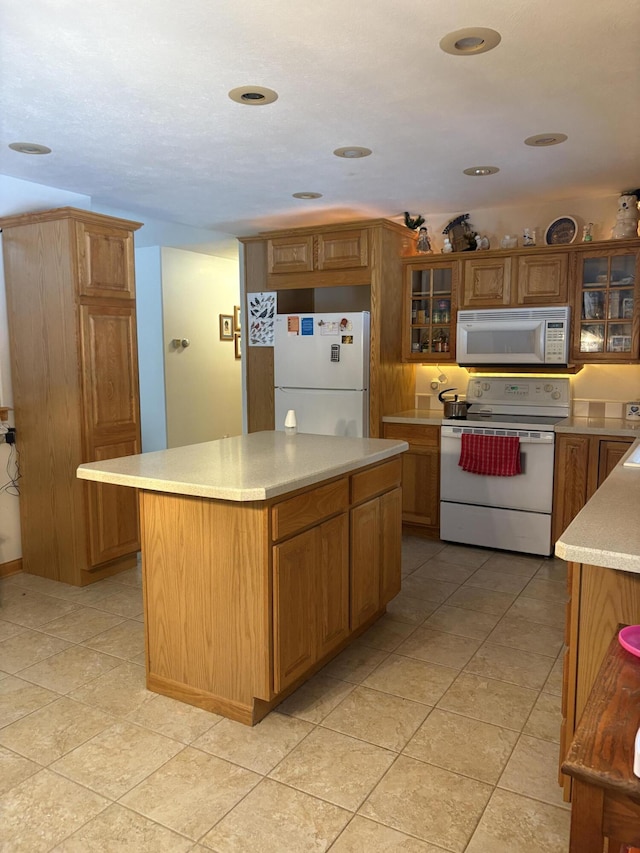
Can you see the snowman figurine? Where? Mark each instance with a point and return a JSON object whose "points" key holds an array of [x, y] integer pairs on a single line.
{"points": [[627, 218]]}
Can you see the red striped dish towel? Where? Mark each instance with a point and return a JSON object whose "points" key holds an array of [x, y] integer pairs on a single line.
{"points": [[496, 455]]}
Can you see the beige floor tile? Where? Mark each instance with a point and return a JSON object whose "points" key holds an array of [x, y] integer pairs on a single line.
{"points": [[365, 836], [83, 623], [413, 679], [169, 717], [69, 669], [14, 769], [130, 577], [484, 600], [546, 718], [496, 702], [428, 802], [517, 633], [546, 590], [553, 570], [125, 640], [532, 771], [52, 731], [428, 589], [417, 550], [215, 786], [43, 810], [19, 697], [355, 663], [440, 570], [386, 634], [513, 564], [118, 829], [378, 718], [553, 684], [550, 613], [464, 555], [87, 596], [513, 823], [125, 601], [439, 647], [464, 623], [29, 647], [119, 692], [276, 819], [524, 668], [334, 767], [462, 745], [497, 581], [32, 609], [10, 629], [259, 747], [406, 608], [117, 759], [316, 698]]}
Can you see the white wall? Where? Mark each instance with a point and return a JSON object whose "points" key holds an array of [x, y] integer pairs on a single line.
{"points": [[153, 415], [203, 380]]}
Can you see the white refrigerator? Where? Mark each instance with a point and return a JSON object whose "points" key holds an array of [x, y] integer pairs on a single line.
{"points": [[321, 366]]}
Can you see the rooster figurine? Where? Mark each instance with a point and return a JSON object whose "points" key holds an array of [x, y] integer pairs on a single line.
{"points": [[413, 224]]}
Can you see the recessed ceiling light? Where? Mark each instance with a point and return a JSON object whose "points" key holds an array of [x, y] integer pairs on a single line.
{"points": [[481, 171], [307, 195], [470, 41], [542, 139], [352, 152], [253, 95], [29, 148]]}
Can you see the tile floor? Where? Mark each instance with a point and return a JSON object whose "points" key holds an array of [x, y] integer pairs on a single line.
{"points": [[436, 731]]}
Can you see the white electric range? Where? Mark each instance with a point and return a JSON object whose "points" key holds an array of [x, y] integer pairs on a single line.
{"points": [[508, 513]]}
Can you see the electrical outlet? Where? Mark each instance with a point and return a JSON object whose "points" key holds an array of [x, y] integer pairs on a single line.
{"points": [[435, 385], [10, 435]]}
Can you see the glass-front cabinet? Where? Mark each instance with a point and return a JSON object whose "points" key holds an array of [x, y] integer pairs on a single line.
{"points": [[606, 310], [430, 304]]}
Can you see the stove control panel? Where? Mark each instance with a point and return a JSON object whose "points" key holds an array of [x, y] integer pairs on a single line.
{"points": [[520, 391]]}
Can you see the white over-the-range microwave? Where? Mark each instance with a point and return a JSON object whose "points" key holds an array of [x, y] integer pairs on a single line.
{"points": [[513, 336]]}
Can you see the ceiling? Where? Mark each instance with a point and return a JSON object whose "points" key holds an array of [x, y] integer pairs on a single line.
{"points": [[132, 98]]}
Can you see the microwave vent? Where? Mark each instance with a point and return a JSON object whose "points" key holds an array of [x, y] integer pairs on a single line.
{"points": [[498, 315]]}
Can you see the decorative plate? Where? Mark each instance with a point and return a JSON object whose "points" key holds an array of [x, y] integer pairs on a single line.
{"points": [[561, 230], [629, 639]]}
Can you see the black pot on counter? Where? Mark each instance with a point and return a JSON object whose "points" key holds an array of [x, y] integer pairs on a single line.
{"points": [[453, 409]]}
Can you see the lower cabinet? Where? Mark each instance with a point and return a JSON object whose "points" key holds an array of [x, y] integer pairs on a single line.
{"points": [[420, 476], [582, 463], [310, 598]]}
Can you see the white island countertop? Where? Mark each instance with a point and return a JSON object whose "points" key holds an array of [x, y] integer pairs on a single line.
{"points": [[251, 467], [606, 531]]}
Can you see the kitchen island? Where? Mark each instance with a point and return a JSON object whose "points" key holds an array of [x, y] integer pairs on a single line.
{"points": [[602, 545], [263, 556]]}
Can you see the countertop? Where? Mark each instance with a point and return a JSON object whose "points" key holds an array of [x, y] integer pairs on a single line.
{"points": [[606, 531], [251, 467], [597, 426]]}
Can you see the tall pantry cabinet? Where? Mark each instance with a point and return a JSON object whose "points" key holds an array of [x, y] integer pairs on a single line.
{"points": [[72, 331]]}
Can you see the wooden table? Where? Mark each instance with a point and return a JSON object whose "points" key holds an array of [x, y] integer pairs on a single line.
{"points": [[606, 794]]}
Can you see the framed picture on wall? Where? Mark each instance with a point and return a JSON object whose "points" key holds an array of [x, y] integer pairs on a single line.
{"points": [[237, 347], [226, 327], [236, 318]]}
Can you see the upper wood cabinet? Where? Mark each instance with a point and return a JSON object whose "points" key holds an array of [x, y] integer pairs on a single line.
{"points": [[72, 327], [486, 282], [542, 279], [606, 309], [430, 298], [326, 250]]}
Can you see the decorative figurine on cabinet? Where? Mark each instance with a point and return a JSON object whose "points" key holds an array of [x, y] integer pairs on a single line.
{"points": [[587, 236], [627, 217], [424, 244], [481, 242], [446, 246], [529, 237]]}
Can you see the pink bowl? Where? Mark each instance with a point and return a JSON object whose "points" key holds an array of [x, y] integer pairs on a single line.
{"points": [[629, 639]]}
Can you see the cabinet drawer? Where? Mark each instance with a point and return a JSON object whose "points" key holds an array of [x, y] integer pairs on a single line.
{"points": [[416, 434], [374, 481], [309, 508]]}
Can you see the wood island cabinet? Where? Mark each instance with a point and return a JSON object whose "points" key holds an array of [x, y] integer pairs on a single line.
{"points": [[261, 594], [582, 463], [72, 328], [420, 476]]}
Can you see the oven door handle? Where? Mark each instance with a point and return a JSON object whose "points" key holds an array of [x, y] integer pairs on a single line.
{"points": [[547, 438]]}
